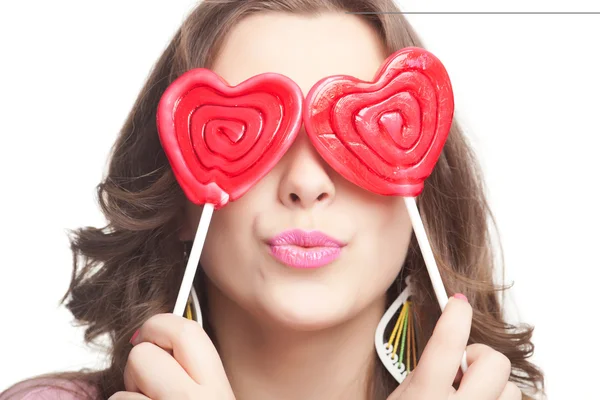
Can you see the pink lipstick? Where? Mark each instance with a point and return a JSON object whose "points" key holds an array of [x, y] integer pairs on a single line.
{"points": [[305, 249]]}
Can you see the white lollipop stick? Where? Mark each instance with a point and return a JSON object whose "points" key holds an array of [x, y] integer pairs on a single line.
{"points": [[193, 261], [432, 268]]}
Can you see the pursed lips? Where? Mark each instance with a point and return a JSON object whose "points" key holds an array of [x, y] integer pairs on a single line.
{"points": [[305, 249]]}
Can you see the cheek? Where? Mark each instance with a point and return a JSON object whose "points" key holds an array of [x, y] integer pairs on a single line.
{"points": [[386, 218], [229, 244], [227, 231], [380, 221], [231, 236], [392, 221], [387, 230]]}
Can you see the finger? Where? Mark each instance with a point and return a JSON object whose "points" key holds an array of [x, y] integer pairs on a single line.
{"points": [[405, 388], [128, 396], [153, 372], [443, 353], [487, 374], [191, 347], [511, 392]]}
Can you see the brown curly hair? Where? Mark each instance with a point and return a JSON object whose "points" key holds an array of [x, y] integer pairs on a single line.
{"points": [[130, 269]]}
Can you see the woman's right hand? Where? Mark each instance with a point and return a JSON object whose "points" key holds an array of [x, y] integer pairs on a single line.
{"points": [[173, 358], [487, 373]]}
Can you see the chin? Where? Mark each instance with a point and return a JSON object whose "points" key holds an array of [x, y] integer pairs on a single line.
{"points": [[307, 307]]}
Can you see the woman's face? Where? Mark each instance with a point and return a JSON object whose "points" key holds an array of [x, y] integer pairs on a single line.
{"points": [[280, 282]]}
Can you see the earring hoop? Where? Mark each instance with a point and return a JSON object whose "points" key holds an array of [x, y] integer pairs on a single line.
{"points": [[398, 353]]}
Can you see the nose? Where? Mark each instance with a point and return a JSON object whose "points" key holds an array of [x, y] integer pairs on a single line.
{"points": [[305, 182]]}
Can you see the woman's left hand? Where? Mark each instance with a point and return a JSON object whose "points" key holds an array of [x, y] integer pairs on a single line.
{"points": [[488, 372], [487, 368]]}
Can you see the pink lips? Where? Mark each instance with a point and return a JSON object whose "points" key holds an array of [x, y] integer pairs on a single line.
{"points": [[302, 249]]}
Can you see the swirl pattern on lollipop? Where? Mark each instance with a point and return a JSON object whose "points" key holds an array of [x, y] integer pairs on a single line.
{"points": [[384, 136], [220, 139]]}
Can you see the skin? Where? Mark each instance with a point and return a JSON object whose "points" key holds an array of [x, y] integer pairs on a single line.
{"points": [[302, 334]]}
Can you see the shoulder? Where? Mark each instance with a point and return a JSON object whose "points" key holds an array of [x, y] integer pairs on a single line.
{"points": [[49, 389]]}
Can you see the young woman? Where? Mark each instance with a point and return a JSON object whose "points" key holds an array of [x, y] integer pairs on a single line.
{"points": [[271, 331]]}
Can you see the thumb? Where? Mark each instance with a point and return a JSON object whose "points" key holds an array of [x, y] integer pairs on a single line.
{"points": [[433, 376]]}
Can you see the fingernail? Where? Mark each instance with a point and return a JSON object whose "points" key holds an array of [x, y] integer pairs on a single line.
{"points": [[461, 297], [135, 335]]}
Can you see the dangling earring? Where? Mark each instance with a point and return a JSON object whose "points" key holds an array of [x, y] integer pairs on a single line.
{"points": [[398, 352]]}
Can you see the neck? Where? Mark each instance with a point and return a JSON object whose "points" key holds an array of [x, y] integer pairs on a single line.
{"points": [[266, 361]]}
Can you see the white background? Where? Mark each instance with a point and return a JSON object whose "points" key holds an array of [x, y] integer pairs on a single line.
{"points": [[527, 92]]}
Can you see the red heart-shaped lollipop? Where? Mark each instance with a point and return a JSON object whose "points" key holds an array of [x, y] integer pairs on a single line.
{"points": [[384, 136], [220, 139]]}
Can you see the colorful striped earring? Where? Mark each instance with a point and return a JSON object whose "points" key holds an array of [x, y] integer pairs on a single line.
{"points": [[398, 352]]}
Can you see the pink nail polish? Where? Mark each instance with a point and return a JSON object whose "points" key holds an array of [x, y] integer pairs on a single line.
{"points": [[461, 297], [135, 335]]}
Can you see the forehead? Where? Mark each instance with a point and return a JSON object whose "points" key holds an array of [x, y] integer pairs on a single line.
{"points": [[304, 48]]}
